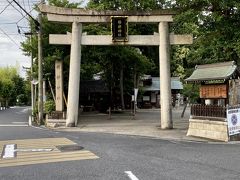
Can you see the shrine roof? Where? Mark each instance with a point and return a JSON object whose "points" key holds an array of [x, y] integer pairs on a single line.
{"points": [[176, 84], [216, 71]]}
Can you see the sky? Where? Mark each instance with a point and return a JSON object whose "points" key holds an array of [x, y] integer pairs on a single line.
{"points": [[13, 25]]}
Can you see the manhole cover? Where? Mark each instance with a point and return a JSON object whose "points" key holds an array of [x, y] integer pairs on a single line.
{"points": [[67, 148]]}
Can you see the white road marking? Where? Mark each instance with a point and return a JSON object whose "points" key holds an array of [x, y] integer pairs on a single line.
{"points": [[19, 122], [39, 128], [131, 175], [13, 125], [8, 151], [33, 150]]}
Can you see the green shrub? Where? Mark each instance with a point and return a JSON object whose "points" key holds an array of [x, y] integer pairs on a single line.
{"points": [[49, 106]]}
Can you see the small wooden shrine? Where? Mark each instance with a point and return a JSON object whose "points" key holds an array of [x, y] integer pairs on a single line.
{"points": [[219, 88]]}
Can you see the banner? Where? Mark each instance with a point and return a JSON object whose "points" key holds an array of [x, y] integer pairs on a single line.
{"points": [[233, 118]]}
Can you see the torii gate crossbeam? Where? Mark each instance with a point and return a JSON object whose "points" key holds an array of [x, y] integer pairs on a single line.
{"points": [[79, 16]]}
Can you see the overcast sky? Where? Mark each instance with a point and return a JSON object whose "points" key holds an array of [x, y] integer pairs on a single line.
{"points": [[12, 19]]}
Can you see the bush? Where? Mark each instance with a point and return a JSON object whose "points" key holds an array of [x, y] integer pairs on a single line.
{"points": [[49, 106], [191, 91]]}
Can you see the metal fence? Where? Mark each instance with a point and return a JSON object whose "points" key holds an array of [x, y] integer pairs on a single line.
{"points": [[208, 110]]}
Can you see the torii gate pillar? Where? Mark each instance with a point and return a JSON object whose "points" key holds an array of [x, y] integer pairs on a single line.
{"points": [[165, 83], [74, 75]]}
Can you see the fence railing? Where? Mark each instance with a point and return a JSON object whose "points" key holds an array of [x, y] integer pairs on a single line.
{"points": [[56, 115], [208, 110]]}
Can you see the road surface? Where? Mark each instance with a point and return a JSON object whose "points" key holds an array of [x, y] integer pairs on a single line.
{"points": [[114, 157]]}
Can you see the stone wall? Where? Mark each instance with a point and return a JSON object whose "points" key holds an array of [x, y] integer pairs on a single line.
{"points": [[207, 128]]}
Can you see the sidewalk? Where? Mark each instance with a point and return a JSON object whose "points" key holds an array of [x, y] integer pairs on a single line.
{"points": [[146, 123]]}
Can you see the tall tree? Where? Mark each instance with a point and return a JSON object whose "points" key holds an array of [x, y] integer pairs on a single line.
{"points": [[214, 25], [11, 84], [124, 60]]}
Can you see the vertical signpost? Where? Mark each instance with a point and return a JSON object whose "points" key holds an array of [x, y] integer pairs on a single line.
{"points": [[59, 85]]}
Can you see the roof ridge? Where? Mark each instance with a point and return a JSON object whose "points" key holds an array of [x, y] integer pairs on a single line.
{"points": [[227, 63]]}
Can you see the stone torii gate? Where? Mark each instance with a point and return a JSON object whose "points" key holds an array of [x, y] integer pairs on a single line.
{"points": [[76, 39]]}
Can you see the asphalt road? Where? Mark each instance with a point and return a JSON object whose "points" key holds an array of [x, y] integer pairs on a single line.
{"points": [[122, 157]]}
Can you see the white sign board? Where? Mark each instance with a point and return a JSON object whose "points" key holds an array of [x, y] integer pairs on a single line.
{"points": [[135, 94], [233, 118], [146, 98]]}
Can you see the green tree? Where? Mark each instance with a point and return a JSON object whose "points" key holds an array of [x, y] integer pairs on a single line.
{"points": [[214, 25], [51, 53], [94, 59], [121, 64], [11, 84]]}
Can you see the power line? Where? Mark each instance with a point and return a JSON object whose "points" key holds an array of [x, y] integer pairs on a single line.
{"points": [[20, 8], [29, 6], [34, 20], [21, 19], [6, 7], [24, 5], [21, 29], [23, 16], [9, 38], [15, 7]]}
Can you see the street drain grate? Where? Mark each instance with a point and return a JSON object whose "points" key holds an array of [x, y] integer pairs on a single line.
{"points": [[69, 148]]}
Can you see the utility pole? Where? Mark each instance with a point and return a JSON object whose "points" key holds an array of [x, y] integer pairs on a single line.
{"points": [[32, 85], [31, 76], [40, 71]]}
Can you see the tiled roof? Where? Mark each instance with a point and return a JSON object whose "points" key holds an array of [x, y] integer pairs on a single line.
{"points": [[216, 71], [155, 86]]}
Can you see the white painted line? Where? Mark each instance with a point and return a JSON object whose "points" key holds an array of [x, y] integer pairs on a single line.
{"points": [[13, 125], [131, 175], [19, 122], [9, 151], [33, 150], [39, 128]]}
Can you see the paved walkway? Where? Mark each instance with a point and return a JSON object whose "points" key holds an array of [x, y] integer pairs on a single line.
{"points": [[145, 123]]}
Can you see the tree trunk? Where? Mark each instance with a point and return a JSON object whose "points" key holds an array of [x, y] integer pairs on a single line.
{"points": [[121, 88], [6, 104], [135, 77], [184, 109], [135, 84], [111, 94]]}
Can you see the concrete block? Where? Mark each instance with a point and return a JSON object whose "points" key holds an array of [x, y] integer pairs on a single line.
{"points": [[208, 129]]}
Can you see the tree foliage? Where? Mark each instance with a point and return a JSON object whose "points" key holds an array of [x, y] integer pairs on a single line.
{"points": [[214, 25], [94, 59], [11, 86]]}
